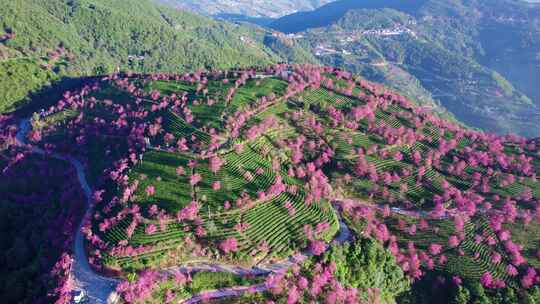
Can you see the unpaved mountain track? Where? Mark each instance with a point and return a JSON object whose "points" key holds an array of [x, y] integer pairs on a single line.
{"points": [[99, 289], [236, 291]]}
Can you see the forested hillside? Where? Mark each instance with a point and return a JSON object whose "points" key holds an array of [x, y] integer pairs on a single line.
{"points": [[42, 41], [331, 13]]}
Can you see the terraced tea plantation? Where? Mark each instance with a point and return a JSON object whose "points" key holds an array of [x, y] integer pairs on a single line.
{"points": [[256, 203], [254, 166]]}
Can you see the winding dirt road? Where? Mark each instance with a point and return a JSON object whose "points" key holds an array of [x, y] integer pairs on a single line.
{"points": [[236, 291], [101, 290], [224, 293], [98, 289]]}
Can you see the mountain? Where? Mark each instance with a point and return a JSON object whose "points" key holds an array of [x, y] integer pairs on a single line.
{"points": [[45, 41], [334, 11], [251, 8], [282, 183], [479, 59]]}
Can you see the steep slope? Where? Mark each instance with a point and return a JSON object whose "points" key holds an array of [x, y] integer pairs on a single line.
{"points": [[40, 202], [478, 59], [252, 8], [42, 41]]}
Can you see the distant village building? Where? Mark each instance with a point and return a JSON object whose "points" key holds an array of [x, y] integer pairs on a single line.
{"points": [[322, 50], [136, 57], [394, 31], [295, 36], [247, 40], [289, 36]]}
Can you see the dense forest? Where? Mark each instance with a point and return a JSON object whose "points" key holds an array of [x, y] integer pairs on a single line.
{"points": [[44, 41], [40, 209]]}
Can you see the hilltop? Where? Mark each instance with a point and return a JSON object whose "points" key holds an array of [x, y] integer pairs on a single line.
{"points": [[332, 12], [261, 182]]}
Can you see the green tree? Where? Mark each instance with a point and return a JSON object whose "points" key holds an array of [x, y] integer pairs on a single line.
{"points": [[532, 296], [479, 294], [461, 295], [366, 264]]}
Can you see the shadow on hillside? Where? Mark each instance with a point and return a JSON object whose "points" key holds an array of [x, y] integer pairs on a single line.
{"points": [[49, 95]]}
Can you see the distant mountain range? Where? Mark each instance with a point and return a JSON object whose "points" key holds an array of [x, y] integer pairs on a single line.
{"points": [[250, 8], [331, 13], [479, 59]]}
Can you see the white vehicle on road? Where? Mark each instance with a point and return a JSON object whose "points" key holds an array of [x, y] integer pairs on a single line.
{"points": [[79, 296]]}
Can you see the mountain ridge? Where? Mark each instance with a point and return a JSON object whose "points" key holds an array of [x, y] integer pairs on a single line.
{"points": [[455, 51], [248, 8]]}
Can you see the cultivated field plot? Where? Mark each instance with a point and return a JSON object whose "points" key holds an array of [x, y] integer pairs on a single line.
{"points": [[469, 259], [268, 221]]}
